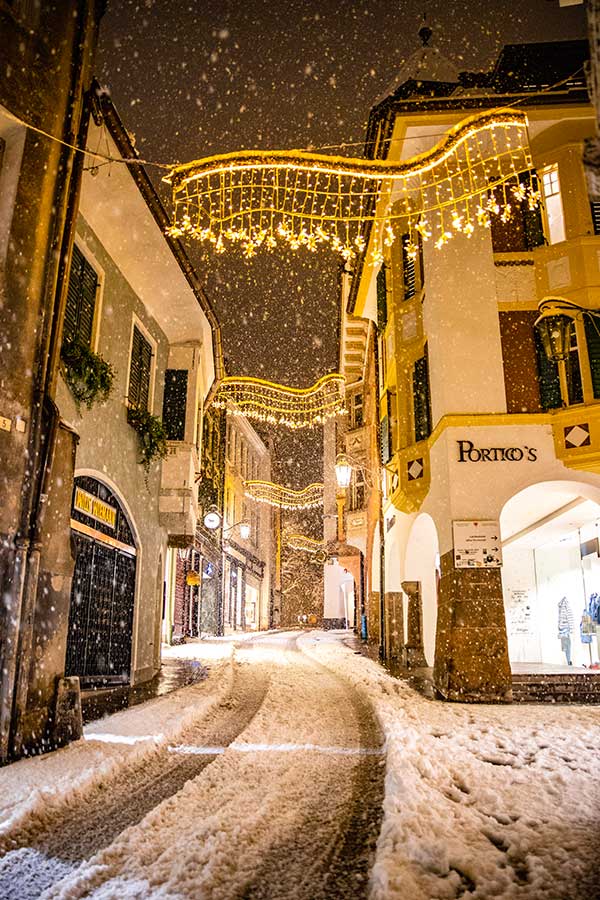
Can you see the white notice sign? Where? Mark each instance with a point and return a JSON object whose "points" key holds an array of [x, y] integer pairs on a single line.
{"points": [[477, 545]]}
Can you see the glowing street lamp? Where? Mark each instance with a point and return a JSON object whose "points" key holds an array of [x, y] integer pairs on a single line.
{"points": [[343, 471]]}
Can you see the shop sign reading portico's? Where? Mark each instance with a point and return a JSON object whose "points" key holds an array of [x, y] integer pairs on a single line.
{"points": [[468, 452]]}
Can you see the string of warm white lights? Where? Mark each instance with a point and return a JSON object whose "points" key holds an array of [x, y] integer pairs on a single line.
{"points": [[253, 199], [304, 543], [281, 405], [282, 497]]}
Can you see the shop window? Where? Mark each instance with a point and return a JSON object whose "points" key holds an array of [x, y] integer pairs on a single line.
{"points": [[555, 219], [382, 313], [356, 410], [421, 398], [174, 403], [81, 300], [140, 369]]}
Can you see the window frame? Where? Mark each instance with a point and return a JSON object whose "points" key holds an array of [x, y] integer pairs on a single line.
{"points": [[553, 173]]}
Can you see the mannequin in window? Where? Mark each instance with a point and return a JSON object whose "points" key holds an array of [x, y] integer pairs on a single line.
{"points": [[565, 627]]}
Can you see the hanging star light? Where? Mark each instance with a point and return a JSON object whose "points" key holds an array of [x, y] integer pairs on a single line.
{"points": [[304, 543], [277, 404], [282, 497], [255, 199]]}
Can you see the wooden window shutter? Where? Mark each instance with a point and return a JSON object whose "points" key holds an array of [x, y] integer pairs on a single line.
{"points": [[550, 395], [408, 270], [421, 398], [595, 210], [139, 370], [81, 300], [174, 403], [385, 440], [381, 299]]}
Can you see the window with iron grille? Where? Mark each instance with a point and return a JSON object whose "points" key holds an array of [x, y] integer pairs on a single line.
{"points": [[140, 368], [81, 300], [174, 403]]}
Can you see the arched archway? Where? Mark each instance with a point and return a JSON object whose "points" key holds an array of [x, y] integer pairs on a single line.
{"points": [[422, 567], [101, 612], [551, 569]]}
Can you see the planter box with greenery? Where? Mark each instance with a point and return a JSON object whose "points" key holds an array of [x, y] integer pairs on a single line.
{"points": [[151, 435], [88, 375]]}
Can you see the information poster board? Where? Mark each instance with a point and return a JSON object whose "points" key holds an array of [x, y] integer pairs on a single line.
{"points": [[477, 545]]}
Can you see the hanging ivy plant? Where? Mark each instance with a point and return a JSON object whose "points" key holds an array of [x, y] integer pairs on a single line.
{"points": [[89, 377], [151, 435]]}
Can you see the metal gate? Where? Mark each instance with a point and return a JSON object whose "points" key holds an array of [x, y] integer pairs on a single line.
{"points": [[102, 601]]}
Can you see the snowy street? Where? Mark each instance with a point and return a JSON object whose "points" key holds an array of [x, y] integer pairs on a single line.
{"points": [[267, 780]]}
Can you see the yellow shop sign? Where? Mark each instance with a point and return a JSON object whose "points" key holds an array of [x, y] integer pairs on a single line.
{"points": [[95, 508]]}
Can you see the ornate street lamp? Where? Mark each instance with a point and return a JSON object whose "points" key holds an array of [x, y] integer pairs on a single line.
{"points": [[555, 325], [343, 471]]}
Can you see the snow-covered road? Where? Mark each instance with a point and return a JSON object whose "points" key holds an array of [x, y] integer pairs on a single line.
{"points": [[267, 781], [263, 797]]}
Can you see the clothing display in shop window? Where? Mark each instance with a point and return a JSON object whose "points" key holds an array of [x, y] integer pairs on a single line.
{"points": [[565, 627], [593, 609]]}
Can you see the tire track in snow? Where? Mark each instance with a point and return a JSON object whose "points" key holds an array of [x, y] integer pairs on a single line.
{"points": [[41, 852], [330, 856]]}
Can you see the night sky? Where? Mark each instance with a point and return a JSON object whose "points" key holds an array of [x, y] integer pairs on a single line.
{"points": [[198, 78]]}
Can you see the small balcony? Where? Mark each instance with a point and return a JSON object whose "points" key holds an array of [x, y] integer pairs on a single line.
{"points": [[178, 501], [570, 269]]}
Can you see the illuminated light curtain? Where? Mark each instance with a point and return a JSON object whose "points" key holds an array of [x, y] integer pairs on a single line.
{"points": [[281, 405], [304, 543], [254, 199], [284, 498]]}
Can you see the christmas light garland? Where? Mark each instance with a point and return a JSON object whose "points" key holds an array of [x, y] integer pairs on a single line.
{"points": [[254, 199], [282, 497], [277, 404], [304, 543]]}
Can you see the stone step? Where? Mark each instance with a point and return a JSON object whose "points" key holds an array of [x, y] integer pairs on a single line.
{"points": [[580, 688]]}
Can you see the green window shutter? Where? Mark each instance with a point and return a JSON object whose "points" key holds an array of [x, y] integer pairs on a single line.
{"points": [[421, 398], [408, 270], [139, 370], [592, 338], [381, 299], [81, 300], [174, 403], [550, 396]]}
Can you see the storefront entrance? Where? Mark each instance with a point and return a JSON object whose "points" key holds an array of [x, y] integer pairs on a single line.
{"points": [[103, 593], [551, 578]]}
